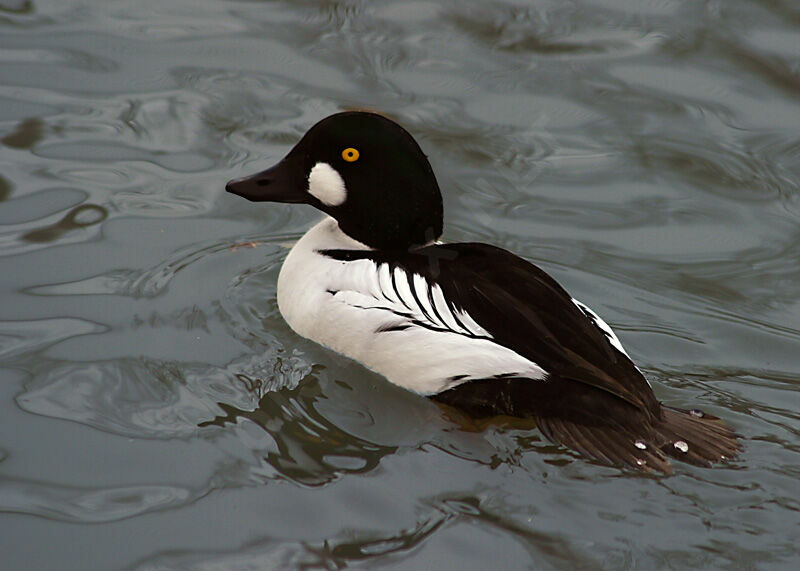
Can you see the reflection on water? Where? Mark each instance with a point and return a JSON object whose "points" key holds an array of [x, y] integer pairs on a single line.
{"points": [[5, 188], [441, 515], [310, 449], [645, 153], [79, 217], [27, 134]]}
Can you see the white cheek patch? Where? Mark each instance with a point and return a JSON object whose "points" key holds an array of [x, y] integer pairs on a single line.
{"points": [[327, 185]]}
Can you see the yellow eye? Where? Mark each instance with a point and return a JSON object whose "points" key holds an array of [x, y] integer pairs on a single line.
{"points": [[350, 154]]}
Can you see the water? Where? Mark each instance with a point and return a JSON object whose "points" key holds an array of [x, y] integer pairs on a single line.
{"points": [[156, 412]]}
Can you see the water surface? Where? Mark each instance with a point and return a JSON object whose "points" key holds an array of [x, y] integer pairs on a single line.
{"points": [[157, 413]]}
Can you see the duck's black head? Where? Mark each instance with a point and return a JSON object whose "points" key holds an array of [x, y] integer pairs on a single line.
{"points": [[364, 170]]}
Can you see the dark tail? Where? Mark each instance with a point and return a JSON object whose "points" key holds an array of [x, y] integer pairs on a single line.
{"points": [[687, 435], [696, 437], [601, 425]]}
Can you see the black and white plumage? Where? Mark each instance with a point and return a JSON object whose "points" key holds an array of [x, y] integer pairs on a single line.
{"points": [[469, 325]]}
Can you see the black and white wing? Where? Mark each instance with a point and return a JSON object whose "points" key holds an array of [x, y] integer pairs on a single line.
{"points": [[401, 324], [481, 291]]}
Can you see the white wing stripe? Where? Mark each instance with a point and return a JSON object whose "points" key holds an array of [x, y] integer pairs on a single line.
{"points": [[423, 295], [470, 324], [409, 295], [602, 325], [385, 283], [400, 284], [443, 310]]}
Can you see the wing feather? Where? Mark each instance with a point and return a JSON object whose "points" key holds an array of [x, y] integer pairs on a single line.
{"points": [[487, 292]]}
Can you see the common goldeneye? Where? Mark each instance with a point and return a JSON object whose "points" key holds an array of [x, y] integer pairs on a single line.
{"points": [[470, 325]]}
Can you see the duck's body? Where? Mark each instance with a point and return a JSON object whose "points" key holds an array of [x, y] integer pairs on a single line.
{"points": [[395, 321], [470, 325]]}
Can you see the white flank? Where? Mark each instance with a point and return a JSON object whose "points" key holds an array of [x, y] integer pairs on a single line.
{"points": [[348, 306], [327, 185]]}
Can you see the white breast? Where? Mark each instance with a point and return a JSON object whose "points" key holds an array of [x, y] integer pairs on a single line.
{"points": [[430, 346]]}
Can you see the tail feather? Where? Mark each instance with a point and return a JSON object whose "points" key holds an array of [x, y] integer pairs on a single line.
{"points": [[599, 424], [689, 436], [609, 444], [695, 437]]}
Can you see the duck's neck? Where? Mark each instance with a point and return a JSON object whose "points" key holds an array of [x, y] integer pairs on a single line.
{"points": [[326, 235]]}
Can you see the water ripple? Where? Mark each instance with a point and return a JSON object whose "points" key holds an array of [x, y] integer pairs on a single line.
{"points": [[30, 336], [149, 398], [87, 505]]}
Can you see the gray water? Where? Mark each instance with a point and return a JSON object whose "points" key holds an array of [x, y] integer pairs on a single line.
{"points": [[157, 413]]}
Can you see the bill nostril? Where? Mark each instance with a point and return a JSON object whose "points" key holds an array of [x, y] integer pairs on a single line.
{"points": [[263, 181]]}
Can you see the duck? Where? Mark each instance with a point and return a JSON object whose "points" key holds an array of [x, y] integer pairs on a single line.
{"points": [[469, 325]]}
